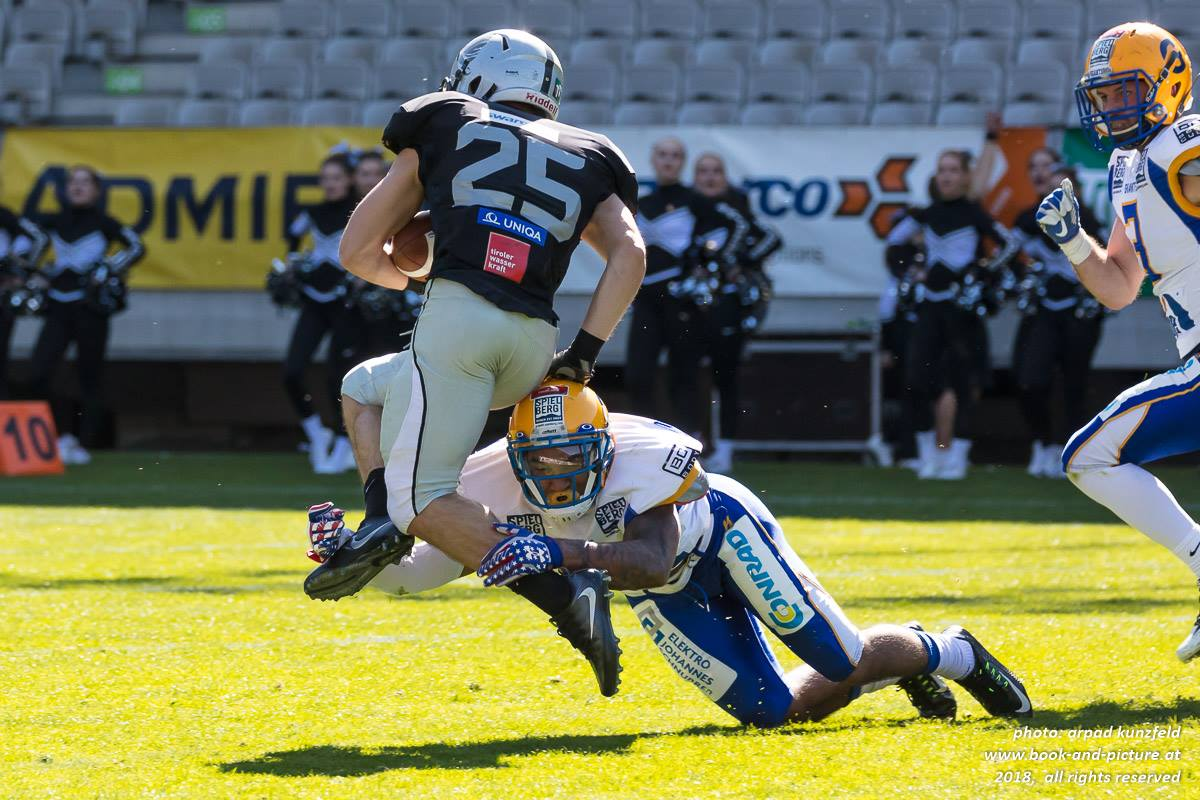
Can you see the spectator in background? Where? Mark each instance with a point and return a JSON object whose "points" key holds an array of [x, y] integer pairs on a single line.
{"points": [[673, 219], [369, 169], [85, 287], [730, 318], [1061, 326], [324, 312], [21, 246], [948, 343]]}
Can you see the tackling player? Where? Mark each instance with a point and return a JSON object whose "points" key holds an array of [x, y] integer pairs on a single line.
{"points": [[702, 561], [1136, 85], [511, 193]]}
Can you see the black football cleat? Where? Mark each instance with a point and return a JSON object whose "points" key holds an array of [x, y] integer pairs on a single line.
{"points": [[361, 557], [990, 682], [587, 625], [928, 693]]}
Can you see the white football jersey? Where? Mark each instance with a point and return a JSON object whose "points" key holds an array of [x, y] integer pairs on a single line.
{"points": [[654, 464], [1162, 225]]}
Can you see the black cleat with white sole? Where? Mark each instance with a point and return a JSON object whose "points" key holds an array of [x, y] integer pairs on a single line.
{"points": [[587, 625], [990, 682], [361, 557], [928, 693]]}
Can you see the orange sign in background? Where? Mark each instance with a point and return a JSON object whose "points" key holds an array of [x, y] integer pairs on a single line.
{"points": [[28, 443]]}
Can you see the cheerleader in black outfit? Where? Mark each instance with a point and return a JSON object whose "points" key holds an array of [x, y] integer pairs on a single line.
{"points": [[323, 312]]}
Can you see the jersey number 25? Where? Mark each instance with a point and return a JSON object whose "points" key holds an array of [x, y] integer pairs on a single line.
{"points": [[536, 155]]}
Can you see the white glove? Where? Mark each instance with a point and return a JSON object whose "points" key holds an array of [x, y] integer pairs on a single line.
{"points": [[1059, 217]]}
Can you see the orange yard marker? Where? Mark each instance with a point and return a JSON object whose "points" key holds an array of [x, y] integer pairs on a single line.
{"points": [[28, 442]]}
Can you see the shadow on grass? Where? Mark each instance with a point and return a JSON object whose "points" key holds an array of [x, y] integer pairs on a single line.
{"points": [[350, 761], [1041, 601], [345, 762], [177, 584], [1103, 713]]}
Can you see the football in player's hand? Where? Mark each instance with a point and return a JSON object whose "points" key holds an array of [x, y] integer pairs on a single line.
{"points": [[411, 248]]}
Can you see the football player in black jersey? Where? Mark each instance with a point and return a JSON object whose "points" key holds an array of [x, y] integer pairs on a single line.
{"points": [[948, 343], [81, 298], [1061, 326], [21, 246], [674, 220], [511, 193], [323, 312], [729, 316]]}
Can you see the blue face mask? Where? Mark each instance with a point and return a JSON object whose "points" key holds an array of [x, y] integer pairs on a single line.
{"points": [[580, 459], [1129, 118]]}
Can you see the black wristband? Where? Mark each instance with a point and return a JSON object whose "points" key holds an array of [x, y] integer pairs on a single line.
{"points": [[991, 136], [586, 346], [375, 494]]}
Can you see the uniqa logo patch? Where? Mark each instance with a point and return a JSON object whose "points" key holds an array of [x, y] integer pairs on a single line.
{"points": [[763, 575], [515, 225]]}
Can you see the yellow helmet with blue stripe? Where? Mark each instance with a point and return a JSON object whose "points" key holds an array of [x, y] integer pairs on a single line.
{"points": [[560, 447], [1137, 80]]}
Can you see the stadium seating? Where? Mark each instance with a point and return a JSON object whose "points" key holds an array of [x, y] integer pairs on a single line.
{"points": [[267, 113], [623, 59], [205, 113]]}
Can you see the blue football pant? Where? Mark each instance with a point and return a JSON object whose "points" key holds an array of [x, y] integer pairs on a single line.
{"points": [[747, 580], [1157, 418]]}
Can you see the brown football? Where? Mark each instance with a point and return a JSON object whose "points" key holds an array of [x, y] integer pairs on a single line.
{"points": [[411, 248]]}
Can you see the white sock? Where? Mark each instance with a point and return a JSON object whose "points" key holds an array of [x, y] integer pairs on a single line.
{"points": [[1141, 499], [949, 656], [312, 426]]}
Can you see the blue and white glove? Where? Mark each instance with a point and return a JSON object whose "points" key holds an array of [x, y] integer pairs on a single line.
{"points": [[521, 552], [1059, 217], [326, 531]]}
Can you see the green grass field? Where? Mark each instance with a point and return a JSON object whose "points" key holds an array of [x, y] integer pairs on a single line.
{"points": [[157, 644]]}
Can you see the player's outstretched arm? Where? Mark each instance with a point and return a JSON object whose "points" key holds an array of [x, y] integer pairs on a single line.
{"points": [[641, 561], [386, 209], [614, 234]]}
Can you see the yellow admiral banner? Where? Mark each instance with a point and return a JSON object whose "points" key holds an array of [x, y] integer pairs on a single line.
{"points": [[211, 204]]}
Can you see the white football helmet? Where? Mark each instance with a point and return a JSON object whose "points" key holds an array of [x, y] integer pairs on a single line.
{"points": [[509, 66]]}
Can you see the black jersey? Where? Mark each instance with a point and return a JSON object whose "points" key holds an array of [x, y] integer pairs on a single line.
{"points": [[953, 232], [760, 241], [325, 278], [509, 193], [674, 218], [81, 238], [1062, 284]]}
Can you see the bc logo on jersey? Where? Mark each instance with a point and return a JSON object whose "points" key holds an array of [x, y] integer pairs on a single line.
{"points": [[679, 461]]}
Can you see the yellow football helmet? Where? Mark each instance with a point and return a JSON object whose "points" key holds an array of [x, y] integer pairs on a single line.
{"points": [[560, 447], [1137, 80]]}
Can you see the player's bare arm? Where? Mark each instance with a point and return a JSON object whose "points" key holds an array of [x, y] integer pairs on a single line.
{"points": [[385, 210], [613, 233], [1113, 274], [641, 561]]}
